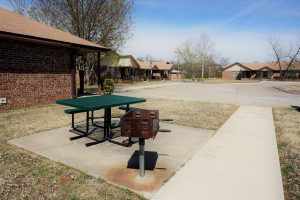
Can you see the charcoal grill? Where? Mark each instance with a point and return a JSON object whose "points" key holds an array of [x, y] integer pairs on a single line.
{"points": [[143, 124]]}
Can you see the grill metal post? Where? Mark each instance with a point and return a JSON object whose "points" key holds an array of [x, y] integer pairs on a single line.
{"points": [[142, 157]]}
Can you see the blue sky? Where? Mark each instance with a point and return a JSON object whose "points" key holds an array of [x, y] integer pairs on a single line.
{"points": [[239, 28]]}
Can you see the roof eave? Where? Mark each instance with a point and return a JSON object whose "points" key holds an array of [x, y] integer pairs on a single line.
{"points": [[20, 37], [236, 63]]}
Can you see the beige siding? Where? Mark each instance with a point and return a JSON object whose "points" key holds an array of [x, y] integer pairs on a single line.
{"points": [[127, 62], [235, 68], [124, 62]]}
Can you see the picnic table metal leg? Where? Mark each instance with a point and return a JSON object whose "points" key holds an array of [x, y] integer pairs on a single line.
{"points": [[105, 131], [84, 133], [106, 123], [87, 123], [95, 123], [128, 142], [109, 120], [73, 127], [129, 139]]}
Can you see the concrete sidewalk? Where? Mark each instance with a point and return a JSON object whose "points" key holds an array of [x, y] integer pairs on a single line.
{"points": [[239, 162]]}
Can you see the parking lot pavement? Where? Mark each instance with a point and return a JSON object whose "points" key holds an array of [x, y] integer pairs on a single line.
{"points": [[261, 94], [156, 85]]}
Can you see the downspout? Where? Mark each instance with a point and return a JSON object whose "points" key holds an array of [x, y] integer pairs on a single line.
{"points": [[73, 74], [98, 70]]}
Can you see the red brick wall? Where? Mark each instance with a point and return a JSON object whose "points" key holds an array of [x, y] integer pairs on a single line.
{"points": [[228, 75], [176, 76], [33, 74]]}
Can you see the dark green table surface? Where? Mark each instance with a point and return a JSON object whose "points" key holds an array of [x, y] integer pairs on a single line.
{"points": [[100, 101]]}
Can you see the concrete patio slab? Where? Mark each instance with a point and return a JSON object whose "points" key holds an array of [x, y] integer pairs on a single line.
{"points": [[118, 164], [239, 162]]}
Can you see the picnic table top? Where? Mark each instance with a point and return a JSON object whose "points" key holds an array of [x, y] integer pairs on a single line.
{"points": [[100, 101]]}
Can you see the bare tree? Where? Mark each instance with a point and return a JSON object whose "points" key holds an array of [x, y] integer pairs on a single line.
{"points": [[115, 23], [278, 52], [107, 22], [196, 55], [205, 50], [283, 57], [148, 58], [187, 57], [19, 6], [224, 61], [293, 56]]}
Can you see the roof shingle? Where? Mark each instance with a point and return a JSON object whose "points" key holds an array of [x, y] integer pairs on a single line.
{"points": [[13, 23], [162, 65], [260, 66]]}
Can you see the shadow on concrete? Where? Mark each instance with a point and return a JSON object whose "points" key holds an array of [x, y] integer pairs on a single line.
{"points": [[150, 160]]}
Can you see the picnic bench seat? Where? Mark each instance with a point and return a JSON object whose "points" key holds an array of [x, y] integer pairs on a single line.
{"points": [[72, 112]]}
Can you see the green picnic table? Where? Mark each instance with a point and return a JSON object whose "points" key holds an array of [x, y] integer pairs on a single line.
{"points": [[98, 102]]}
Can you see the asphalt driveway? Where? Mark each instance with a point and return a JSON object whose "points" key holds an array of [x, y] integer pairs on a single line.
{"points": [[263, 93]]}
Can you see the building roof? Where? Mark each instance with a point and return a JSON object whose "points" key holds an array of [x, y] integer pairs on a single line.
{"points": [[144, 65], [128, 61], [255, 66], [157, 65], [16, 25], [260, 66], [162, 65]]}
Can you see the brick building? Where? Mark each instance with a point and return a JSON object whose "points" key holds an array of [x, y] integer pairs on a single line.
{"points": [[259, 71], [37, 62]]}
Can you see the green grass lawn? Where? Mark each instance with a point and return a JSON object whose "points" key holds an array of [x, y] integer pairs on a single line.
{"points": [[287, 124], [24, 175]]}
